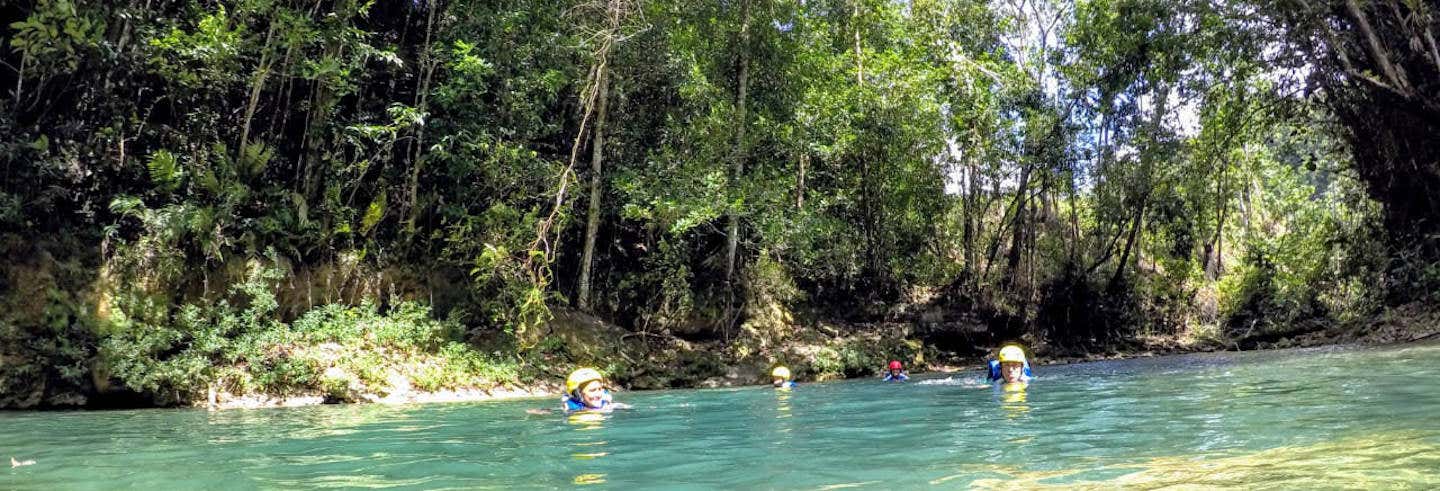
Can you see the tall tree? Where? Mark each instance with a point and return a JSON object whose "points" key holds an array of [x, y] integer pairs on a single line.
{"points": [[1379, 65], [615, 13], [738, 154]]}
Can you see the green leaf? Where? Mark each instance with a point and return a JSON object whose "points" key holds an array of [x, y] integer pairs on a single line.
{"points": [[127, 206], [165, 170], [373, 214], [254, 158]]}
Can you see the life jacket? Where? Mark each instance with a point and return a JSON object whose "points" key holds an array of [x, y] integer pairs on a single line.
{"points": [[995, 371], [572, 404], [789, 384], [896, 378]]}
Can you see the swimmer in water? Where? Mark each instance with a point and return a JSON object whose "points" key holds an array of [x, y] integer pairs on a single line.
{"points": [[780, 378], [585, 391], [896, 372], [1011, 368]]}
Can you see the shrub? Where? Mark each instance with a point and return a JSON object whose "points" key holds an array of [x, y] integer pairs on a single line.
{"points": [[333, 349]]}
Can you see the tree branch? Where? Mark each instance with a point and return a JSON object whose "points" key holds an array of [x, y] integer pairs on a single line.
{"points": [[1377, 51], [1434, 51]]}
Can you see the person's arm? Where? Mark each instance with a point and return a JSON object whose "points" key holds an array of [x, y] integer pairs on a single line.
{"points": [[611, 404]]}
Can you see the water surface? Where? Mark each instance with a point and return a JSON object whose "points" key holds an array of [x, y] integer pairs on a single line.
{"points": [[1320, 418]]}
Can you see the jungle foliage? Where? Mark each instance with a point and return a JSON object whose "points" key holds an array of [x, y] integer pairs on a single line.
{"points": [[204, 193]]}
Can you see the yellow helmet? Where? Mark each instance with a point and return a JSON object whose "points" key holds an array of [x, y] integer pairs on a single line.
{"points": [[581, 377], [1012, 353], [780, 372]]}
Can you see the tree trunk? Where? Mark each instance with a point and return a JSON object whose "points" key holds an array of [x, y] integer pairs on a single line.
{"points": [[1246, 205], [867, 186], [870, 219], [1039, 222], [20, 80], [1074, 246], [593, 98], [1017, 229], [800, 183], [994, 248], [968, 217], [422, 95], [1129, 244], [855, 25], [732, 241], [1145, 184], [1212, 261], [261, 73], [592, 223]]}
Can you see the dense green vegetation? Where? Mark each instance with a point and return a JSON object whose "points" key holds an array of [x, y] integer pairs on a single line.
{"points": [[272, 196]]}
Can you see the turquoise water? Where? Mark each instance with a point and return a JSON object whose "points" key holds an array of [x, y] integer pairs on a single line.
{"points": [[1326, 418]]}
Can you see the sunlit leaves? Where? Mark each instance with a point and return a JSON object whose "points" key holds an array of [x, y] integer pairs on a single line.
{"points": [[164, 170], [55, 34], [373, 214]]}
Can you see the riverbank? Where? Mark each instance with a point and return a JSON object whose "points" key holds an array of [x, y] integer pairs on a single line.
{"points": [[819, 355], [1408, 323]]}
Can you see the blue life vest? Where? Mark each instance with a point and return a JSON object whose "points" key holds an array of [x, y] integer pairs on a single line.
{"points": [[894, 378], [995, 370], [789, 384], [573, 404]]}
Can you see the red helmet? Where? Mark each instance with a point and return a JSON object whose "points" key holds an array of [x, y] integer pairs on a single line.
{"points": [[895, 365]]}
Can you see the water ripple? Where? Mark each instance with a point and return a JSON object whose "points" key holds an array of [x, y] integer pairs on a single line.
{"points": [[1334, 417]]}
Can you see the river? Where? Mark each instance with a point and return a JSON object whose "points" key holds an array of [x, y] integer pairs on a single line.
{"points": [[1335, 417]]}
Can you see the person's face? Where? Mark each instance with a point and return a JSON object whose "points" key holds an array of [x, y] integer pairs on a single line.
{"points": [[592, 394], [1012, 371], [895, 372], [778, 382]]}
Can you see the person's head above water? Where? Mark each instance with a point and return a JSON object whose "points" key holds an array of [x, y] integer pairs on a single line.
{"points": [[1012, 364], [780, 376], [895, 372], [586, 386]]}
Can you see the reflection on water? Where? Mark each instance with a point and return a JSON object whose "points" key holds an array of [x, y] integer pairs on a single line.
{"points": [[589, 479], [1296, 419], [782, 403], [587, 420], [1388, 461], [1012, 399], [589, 445], [849, 485]]}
